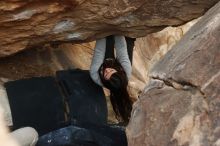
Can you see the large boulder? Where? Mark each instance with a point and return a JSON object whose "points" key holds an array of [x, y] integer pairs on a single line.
{"points": [[25, 24], [181, 104], [147, 51]]}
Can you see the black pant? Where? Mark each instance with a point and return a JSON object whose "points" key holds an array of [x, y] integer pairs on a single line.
{"points": [[109, 53], [130, 47]]}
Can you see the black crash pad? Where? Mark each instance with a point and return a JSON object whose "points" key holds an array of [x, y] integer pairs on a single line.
{"points": [[114, 132], [91, 136], [36, 102], [86, 99]]}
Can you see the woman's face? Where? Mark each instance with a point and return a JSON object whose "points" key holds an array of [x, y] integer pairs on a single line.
{"points": [[108, 73]]}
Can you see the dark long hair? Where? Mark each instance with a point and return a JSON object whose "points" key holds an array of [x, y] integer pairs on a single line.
{"points": [[117, 84]]}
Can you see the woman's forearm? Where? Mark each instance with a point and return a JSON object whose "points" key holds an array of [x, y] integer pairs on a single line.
{"points": [[97, 60], [122, 54]]}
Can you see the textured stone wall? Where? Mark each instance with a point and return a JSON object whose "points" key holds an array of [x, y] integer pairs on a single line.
{"points": [[181, 104], [26, 24], [46, 60]]}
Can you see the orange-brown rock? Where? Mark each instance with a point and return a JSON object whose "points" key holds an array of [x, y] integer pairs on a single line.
{"points": [[45, 61], [181, 104], [26, 24]]}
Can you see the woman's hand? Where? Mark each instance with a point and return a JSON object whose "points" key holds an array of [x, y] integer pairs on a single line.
{"points": [[108, 73]]}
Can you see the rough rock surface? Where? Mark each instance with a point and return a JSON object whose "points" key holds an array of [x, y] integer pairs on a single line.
{"points": [[29, 63], [25, 24], [181, 104], [148, 50]]}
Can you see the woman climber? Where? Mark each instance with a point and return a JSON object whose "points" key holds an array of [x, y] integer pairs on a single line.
{"points": [[113, 72]]}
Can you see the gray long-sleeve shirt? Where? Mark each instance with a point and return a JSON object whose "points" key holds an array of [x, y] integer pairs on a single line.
{"points": [[99, 56]]}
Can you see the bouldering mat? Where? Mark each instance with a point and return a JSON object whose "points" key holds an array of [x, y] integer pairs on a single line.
{"points": [[86, 99], [78, 136], [114, 132], [36, 102]]}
